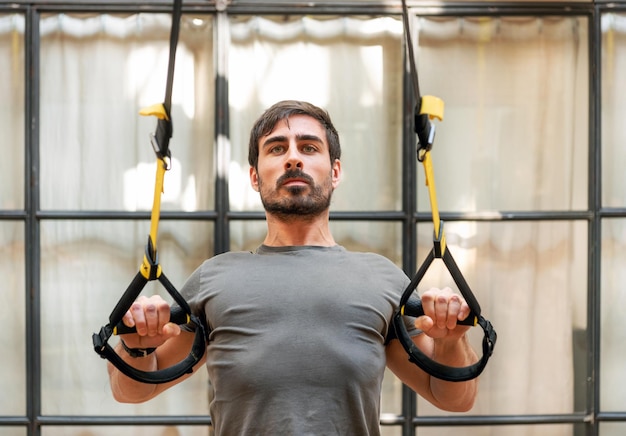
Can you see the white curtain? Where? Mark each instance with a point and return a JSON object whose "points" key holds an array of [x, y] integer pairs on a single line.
{"points": [[12, 244], [12, 112], [514, 138]]}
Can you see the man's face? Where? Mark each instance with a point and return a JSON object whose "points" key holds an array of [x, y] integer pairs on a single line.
{"points": [[294, 176]]}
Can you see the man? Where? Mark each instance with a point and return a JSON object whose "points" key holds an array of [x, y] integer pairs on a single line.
{"points": [[300, 330]]}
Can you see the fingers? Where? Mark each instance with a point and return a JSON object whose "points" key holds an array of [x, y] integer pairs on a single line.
{"points": [[150, 317], [444, 308], [424, 323]]}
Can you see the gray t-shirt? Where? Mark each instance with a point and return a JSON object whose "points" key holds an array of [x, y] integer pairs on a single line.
{"points": [[297, 338]]}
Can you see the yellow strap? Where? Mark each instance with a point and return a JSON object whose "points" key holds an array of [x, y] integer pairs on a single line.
{"points": [[433, 107], [157, 110], [154, 218], [156, 205], [430, 182]]}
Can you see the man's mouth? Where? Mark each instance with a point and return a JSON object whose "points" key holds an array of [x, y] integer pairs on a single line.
{"points": [[295, 182], [295, 179]]}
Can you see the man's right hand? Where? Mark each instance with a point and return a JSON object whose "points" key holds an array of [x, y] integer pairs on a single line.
{"points": [[151, 319]]}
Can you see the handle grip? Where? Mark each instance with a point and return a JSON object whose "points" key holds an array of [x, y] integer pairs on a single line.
{"points": [[177, 316], [413, 307]]}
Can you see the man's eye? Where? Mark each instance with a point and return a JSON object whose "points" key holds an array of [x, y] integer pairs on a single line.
{"points": [[309, 148], [277, 149]]}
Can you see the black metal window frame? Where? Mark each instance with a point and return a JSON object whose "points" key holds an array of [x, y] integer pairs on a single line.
{"points": [[32, 215]]}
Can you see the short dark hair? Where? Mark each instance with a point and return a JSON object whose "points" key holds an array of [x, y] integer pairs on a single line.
{"points": [[283, 110]]}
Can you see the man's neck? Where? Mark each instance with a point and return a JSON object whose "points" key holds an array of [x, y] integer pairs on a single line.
{"points": [[298, 231]]}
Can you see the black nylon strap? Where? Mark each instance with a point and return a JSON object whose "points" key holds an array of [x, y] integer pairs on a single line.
{"points": [[448, 373], [165, 130], [100, 340], [409, 42], [102, 347], [416, 356], [421, 122], [160, 376], [425, 133]]}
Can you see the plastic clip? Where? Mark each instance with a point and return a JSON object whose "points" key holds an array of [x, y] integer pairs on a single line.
{"points": [[429, 108], [439, 242], [160, 139], [150, 267]]}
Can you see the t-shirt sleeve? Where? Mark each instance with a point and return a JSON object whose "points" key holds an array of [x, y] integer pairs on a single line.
{"points": [[409, 323], [189, 292]]}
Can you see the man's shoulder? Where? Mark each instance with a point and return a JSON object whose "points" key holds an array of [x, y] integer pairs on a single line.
{"points": [[226, 258]]}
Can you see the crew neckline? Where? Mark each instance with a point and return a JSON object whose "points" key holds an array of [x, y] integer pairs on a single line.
{"points": [[268, 249]]}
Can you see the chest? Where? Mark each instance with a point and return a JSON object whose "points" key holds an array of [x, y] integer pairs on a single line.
{"points": [[277, 290]]}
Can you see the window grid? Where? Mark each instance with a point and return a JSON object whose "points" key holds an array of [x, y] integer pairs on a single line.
{"points": [[32, 216]]}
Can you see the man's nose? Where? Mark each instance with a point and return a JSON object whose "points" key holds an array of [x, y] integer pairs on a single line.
{"points": [[294, 160]]}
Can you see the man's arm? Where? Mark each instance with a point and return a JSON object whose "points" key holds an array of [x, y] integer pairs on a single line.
{"points": [[443, 341], [150, 317]]}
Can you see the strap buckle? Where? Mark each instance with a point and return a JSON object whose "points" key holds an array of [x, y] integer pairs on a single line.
{"points": [[160, 139], [429, 108]]}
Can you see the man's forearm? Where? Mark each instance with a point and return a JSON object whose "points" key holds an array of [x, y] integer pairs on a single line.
{"points": [[125, 389], [459, 396]]}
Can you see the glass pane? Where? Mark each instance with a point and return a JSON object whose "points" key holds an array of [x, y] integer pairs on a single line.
{"points": [[12, 314], [613, 109], [247, 235], [391, 396], [127, 430], [530, 278], [384, 238], [390, 431], [12, 431], [613, 299], [612, 428], [97, 72], [86, 267], [12, 110], [350, 66], [514, 135]]}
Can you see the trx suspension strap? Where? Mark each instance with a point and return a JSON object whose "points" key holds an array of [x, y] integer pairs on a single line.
{"points": [[427, 108], [150, 268]]}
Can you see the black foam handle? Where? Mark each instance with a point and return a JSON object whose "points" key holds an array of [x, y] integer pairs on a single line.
{"points": [[413, 307], [177, 316]]}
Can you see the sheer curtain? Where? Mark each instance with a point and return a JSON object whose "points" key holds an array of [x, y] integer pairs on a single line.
{"points": [[13, 378], [12, 115]]}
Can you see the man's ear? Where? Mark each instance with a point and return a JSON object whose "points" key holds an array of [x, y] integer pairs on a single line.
{"points": [[336, 173], [254, 179]]}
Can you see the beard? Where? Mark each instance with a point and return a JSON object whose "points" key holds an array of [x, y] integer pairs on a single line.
{"points": [[302, 202]]}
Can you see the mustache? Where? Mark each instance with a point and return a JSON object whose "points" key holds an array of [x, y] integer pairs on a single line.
{"points": [[294, 174]]}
